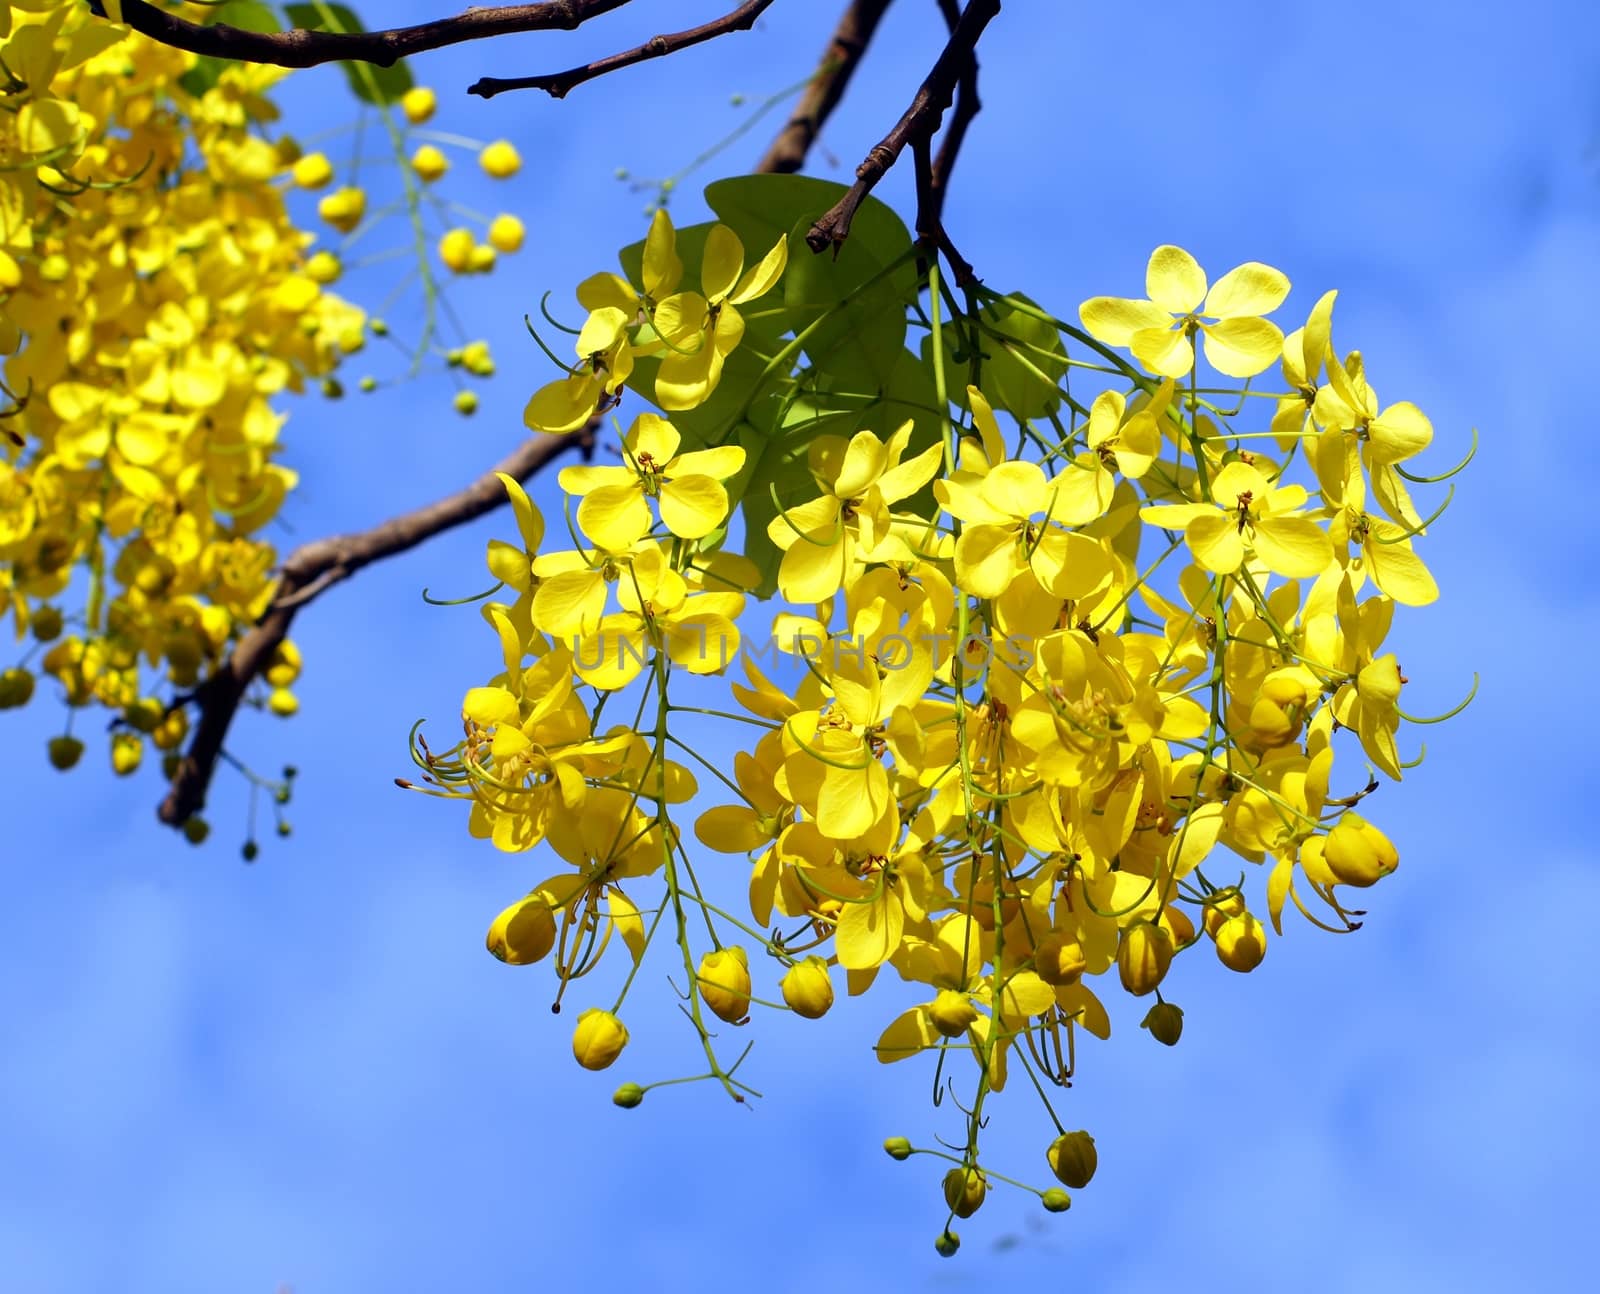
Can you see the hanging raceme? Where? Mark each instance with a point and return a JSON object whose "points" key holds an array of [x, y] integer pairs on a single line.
{"points": [[1034, 699]]}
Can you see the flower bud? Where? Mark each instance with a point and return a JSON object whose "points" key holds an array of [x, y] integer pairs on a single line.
{"points": [[500, 159], [16, 688], [524, 933], [250, 851], [418, 103], [481, 259], [598, 1039], [65, 752], [1175, 921], [46, 624], [1056, 1200], [1058, 961], [1165, 1022], [282, 702], [313, 171], [1143, 955], [196, 829], [143, 715], [807, 988], [1241, 942], [466, 403], [1220, 906], [170, 732], [455, 249], [1358, 853], [898, 1148], [628, 1096], [952, 1013], [127, 749], [429, 163], [724, 978], [343, 208], [1073, 1159], [947, 1244], [964, 1189], [506, 233]]}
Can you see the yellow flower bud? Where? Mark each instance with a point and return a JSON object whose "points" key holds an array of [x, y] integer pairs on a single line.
{"points": [[524, 933], [1241, 942], [500, 159], [282, 702], [628, 1096], [127, 749], [1175, 921], [1143, 955], [724, 977], [475, 358], [343, 208], [46, 624], [1059, 961], [466, 403], [897, 1148], [1358, 853], [16, 688], [1056, 1200], [1222, 905], [807, 988], [952, 1013], [599, 1038], [313, 171], [429, 163], [283, 666], [1165, 1022], [506, 233], [964, 1190], [455, 250], [323, 267], [170, 732], [1073, 1159], [65, 752], [482, 259], [418, 103]]}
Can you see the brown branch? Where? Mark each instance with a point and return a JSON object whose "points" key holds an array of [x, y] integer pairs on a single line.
{"points": [[933, 176], [919, 122], [839, 62], [313, 568], [557, 84], [299, 48]]}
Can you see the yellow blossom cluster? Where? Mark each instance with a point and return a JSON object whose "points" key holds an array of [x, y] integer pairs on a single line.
{"points": [[156, 297], [1046, 686]]}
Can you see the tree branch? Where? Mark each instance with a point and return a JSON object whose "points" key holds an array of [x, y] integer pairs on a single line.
{"points": [[298, 48], [788, 151], [933, 175], [557, 84], [313, 568], [919, 122]]}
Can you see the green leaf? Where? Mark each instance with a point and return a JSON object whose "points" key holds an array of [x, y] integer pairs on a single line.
{"points": [[1021, 362], [246, 15], [369, 83]]}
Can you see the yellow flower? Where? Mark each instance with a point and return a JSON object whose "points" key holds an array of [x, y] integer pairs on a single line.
{"points": [[700, 332], [524, 933], [1249, 517], [605, 360], [687, 487], [807, 989], [598, 1039], [1238, 342]]}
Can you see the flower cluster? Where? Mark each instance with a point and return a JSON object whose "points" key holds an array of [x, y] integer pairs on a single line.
{"points": [[157, 297], [1043, 690]]}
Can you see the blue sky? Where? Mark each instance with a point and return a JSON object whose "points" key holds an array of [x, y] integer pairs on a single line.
{"points": [[308, 1072]]}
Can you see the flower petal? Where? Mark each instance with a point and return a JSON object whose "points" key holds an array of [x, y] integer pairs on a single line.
{"points": [[1248, 289], [1242, 347], [1114, 320], [1174, 280]]}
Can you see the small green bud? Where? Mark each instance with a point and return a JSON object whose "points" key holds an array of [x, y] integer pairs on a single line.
{"points": [[1165, 1022], [898, 1148], [379, 327], [947, 1244], [195, 830], [332, 388], [628, 1096], [1056, 1200], [250, 852], [283, 827], [65, 752], [369, 384], [281, 795], [47, 624]]}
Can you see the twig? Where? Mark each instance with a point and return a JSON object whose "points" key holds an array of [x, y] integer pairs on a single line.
{"points": [[839, 61], [919, 123], [557, 84], [313, 568], [299, 48]]}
